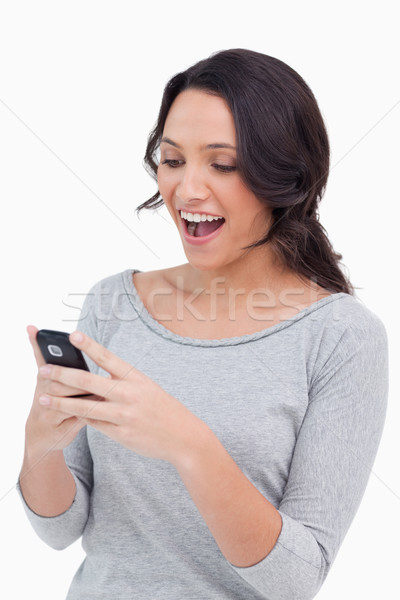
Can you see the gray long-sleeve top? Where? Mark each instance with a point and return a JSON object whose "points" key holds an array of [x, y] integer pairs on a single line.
{"points": [[300, 406]]}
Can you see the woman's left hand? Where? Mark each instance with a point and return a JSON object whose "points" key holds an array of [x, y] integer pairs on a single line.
{"points": [[129, 407]]}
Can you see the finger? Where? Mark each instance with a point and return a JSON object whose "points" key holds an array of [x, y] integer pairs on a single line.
{"points": [[71, 425], [104, 387], [82, 408], [32, 332], [54, 388], [55, 418], [103, 426], [102, 357]]}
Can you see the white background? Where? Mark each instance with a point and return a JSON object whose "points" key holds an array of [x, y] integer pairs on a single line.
{"points": [[80, 86]]}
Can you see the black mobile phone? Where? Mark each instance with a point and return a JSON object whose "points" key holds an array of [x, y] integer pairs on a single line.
{"points": [[58, 350]]}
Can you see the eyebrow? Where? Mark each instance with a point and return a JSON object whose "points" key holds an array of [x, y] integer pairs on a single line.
{"points": [[215, 146]]}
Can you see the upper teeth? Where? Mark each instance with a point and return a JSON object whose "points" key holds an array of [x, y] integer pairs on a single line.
{"points": [[196, 217]]}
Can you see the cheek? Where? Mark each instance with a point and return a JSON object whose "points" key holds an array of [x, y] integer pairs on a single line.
{"points": [[166, 187], [166, 183], [241, 202], [249, 215]]}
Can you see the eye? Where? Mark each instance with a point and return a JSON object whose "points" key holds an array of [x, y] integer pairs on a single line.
{"points": [[173, 163], [224, 168]]}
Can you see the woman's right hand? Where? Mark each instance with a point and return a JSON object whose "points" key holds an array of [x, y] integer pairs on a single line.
{"points": [[48, 430]]}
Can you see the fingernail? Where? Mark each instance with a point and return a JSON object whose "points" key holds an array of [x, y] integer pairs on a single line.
{"points": [[45, 400], [45, 370], [77, 336]]}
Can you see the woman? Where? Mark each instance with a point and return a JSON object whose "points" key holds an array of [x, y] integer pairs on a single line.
{"points": [[239, 399]]}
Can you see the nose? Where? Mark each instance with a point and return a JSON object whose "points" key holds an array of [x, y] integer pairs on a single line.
{"points": [[192, 184]]}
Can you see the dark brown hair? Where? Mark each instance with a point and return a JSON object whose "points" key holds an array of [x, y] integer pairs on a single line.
{"points": [[282, 153]]}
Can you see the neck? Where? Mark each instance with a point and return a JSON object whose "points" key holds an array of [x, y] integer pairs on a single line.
{"points": [[257, 270]]}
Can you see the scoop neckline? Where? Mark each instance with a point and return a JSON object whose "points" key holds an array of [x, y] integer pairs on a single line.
{"points": [[161, 330]]}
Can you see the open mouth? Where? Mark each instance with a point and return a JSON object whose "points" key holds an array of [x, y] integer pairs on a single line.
{"points": [[202, 228]]}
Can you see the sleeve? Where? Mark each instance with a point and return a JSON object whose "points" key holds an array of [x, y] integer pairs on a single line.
{"points": [[331, 464], [64, 529]]}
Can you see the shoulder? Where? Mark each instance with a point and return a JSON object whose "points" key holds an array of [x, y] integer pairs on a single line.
{"points": [[339, 313], [342, 320], [113, 291], [145, 281], [119, 283], [104, 294], [349, 329], [351, 314], [113, 282]]}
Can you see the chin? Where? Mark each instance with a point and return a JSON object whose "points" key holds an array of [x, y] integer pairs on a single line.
{"points": [[209, 263], [203, 264]]}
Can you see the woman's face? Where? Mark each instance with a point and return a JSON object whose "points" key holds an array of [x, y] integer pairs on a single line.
{"points": [[197, 174]]}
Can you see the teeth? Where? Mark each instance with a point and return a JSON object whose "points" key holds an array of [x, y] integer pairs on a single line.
{"points": [[196, 217]]}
